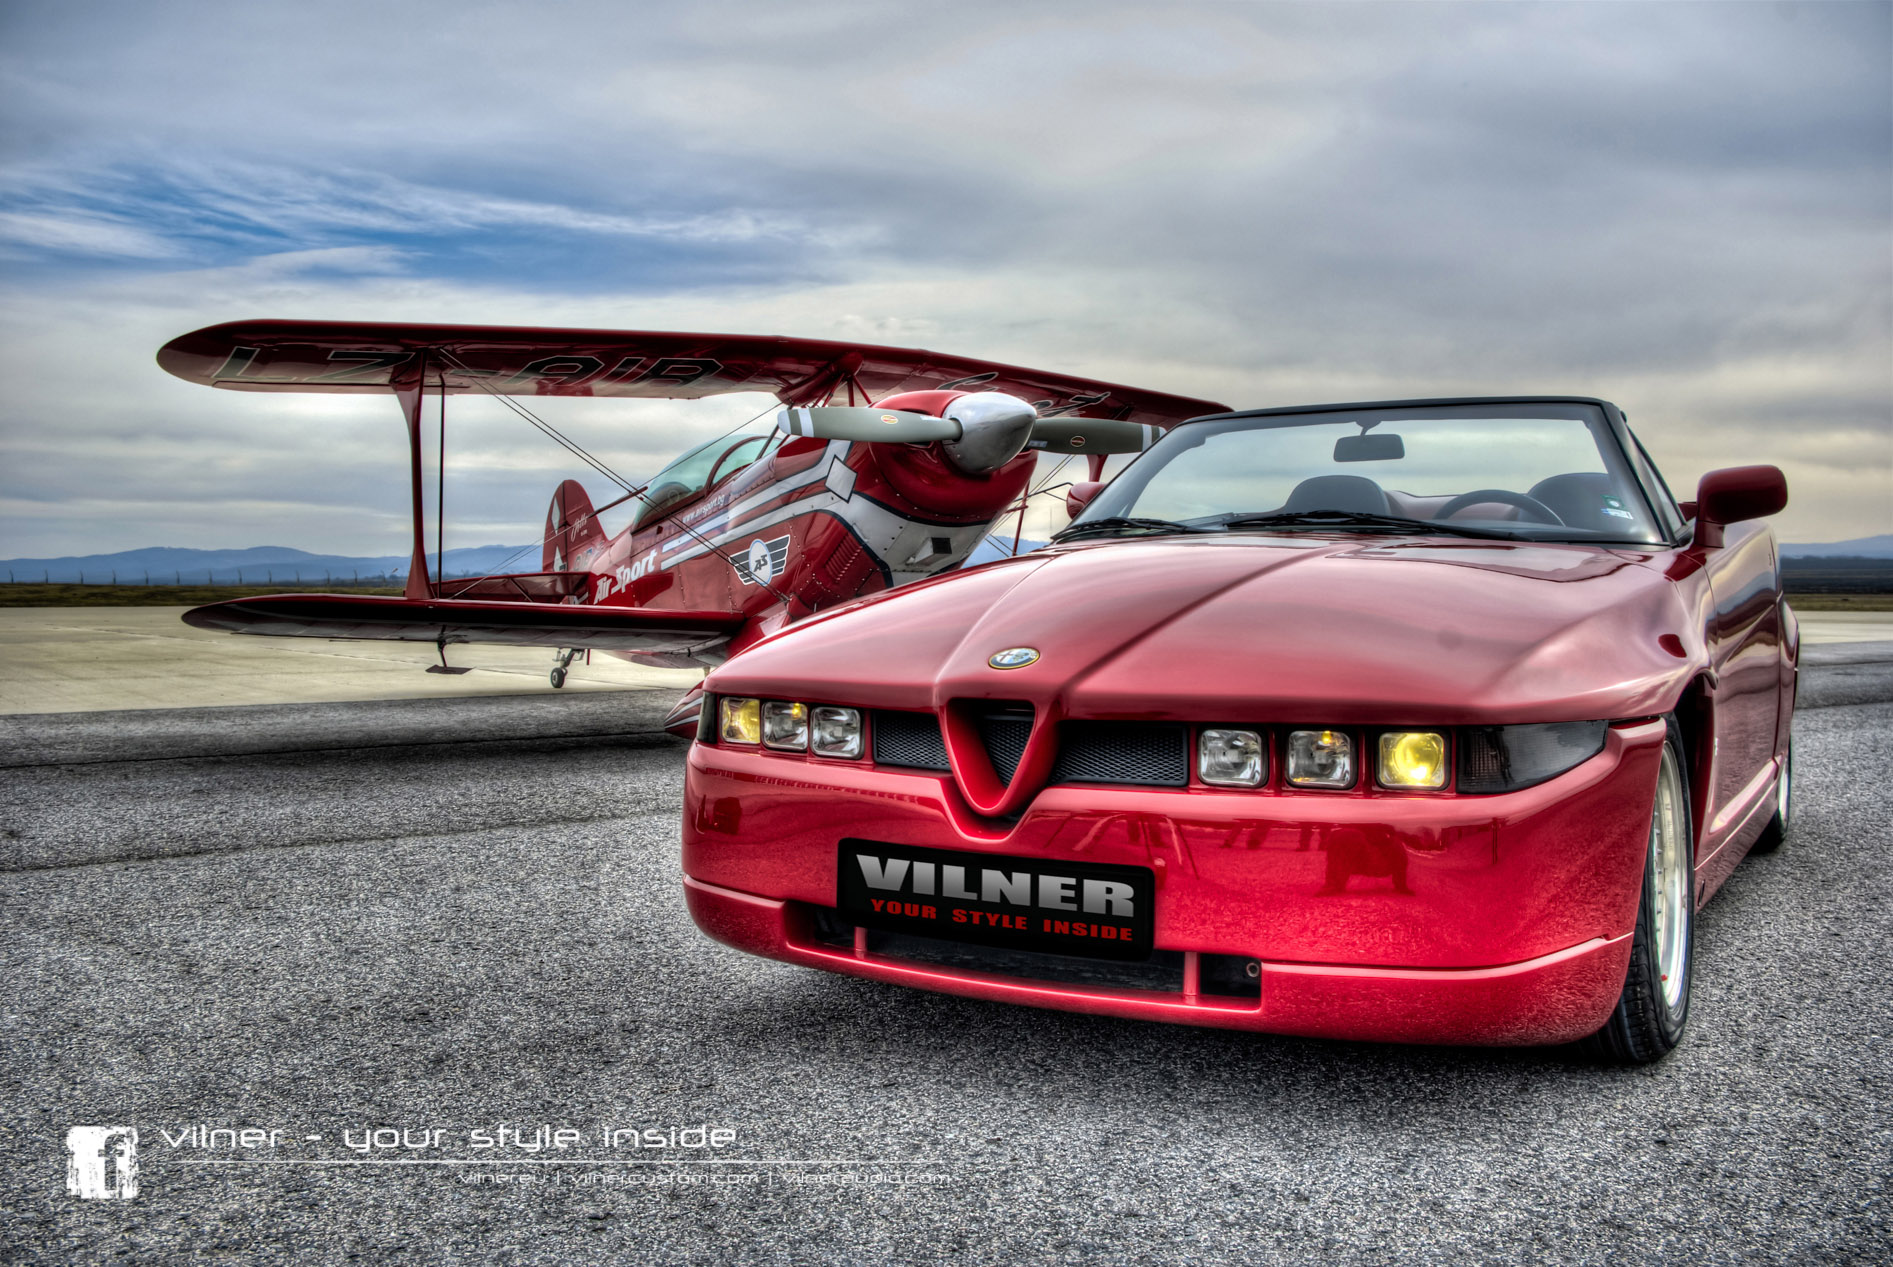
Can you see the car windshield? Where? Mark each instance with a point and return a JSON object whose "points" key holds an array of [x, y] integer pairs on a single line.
{"points": [[1532, 471]]}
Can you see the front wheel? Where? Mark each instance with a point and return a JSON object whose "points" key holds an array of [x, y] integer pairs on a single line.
{"points": [[1654, 1007]]}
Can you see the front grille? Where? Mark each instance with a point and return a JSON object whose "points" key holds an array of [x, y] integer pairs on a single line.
{"points": [[909, 739], [1151, 753], [1228, 976], [1162, 971], [1004, 730]]}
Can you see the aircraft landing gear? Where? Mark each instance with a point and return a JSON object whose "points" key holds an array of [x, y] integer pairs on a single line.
{"points": [[566, 656]]}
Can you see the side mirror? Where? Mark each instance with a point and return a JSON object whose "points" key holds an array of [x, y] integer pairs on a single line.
{"points": [[1078, 496], [1734, 495]]}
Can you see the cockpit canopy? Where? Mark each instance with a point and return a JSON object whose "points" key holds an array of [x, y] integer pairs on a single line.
{"points": [[696, 472]]}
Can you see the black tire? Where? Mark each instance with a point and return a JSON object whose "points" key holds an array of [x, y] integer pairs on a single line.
{"points": [[1649, 1018], [1777, 829], [558, 678]]}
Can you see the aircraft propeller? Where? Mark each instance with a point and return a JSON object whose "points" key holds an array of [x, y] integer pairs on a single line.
{"points": [[981, 431]]}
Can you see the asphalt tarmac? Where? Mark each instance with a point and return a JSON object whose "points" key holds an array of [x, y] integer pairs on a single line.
{"points": [[83, 659], [400, 925]]}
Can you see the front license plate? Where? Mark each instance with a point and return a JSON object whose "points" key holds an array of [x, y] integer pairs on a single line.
{"points": [[1069, 908]]}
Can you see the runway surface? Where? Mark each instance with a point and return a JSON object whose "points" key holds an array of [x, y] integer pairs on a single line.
{"points": [[444, 915], [76, 659]]}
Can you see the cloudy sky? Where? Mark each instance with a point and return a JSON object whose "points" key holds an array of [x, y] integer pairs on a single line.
{"points": [[1686, 209]]}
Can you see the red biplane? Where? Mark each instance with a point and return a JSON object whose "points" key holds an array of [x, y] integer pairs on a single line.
{"points": [[887, 465]]}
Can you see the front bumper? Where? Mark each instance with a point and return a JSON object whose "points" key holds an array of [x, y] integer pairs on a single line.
{"points": [[1408, 918]]}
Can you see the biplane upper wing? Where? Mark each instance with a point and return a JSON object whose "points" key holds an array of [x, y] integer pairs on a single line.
{"points": [[350, 356], [448, 620]]}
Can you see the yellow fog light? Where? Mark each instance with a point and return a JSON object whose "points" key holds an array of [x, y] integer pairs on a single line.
{"points": [[740, 720], [1413, 758]]}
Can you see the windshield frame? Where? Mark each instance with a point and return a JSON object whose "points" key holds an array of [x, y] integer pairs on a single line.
{"points": [[1669, 510], [1607, 422]]}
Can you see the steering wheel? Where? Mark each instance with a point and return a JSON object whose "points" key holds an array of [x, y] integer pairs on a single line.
{"points": [[1530, 505]]}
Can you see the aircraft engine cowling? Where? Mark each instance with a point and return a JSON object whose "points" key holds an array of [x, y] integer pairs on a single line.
{"points": [[977, 432], [993, 430], [993, 427]]}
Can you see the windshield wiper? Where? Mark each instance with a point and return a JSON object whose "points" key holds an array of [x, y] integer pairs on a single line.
{"points": [[1116, 524], [1126, 524], [1360, 519]]}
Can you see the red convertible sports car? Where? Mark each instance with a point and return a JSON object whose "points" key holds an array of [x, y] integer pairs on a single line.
{"points": [[1417, 721]]}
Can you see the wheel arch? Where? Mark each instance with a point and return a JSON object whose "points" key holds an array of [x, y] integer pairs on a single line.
{"points": [[1694, 711]]}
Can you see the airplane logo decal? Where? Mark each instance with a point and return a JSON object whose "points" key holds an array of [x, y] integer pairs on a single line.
{"points": [[764, 562]]}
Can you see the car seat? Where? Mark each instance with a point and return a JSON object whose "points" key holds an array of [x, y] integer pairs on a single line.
{"points": [[1338, 492], [1578, 499]]}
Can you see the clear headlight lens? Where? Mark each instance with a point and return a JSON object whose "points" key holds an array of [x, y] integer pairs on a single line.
{"points": [[739, 720], [785, 725], [1320, 758], [1230, 758], [836, 731], [1413, 759]]}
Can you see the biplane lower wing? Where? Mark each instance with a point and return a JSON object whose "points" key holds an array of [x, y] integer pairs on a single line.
{"points": [[442, 621]]}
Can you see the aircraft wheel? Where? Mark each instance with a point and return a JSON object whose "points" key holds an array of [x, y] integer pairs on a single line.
{"points": [[558, 678]]}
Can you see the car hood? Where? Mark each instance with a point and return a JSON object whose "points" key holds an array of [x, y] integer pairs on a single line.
{"points": [[1261, 628]]}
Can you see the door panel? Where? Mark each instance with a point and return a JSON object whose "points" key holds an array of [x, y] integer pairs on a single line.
{"points": [[1745, 651]]}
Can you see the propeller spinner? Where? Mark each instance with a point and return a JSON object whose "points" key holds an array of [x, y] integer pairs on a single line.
{"points": [[981, 431]]}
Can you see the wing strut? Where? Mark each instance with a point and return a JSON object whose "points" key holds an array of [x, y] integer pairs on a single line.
{"points": [[440, 505], [409, 388]]}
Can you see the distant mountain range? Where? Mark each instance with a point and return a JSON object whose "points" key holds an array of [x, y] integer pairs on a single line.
{"points": [[280, 565], [258, 565], [1880, 547]]}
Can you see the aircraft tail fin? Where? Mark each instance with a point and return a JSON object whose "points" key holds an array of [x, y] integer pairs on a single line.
{"points": [[572, 527]]}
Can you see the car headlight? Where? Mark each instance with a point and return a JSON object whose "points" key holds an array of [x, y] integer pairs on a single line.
{"points": [[740, 720], [785, 725], [1506, 758], [1413, 759], [1320, 758], [1230, 758], [836, 731]]}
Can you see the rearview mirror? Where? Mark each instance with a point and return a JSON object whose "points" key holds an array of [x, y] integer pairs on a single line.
{"points": [[1369, 448], [1734, 495], [1078, 496]]}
